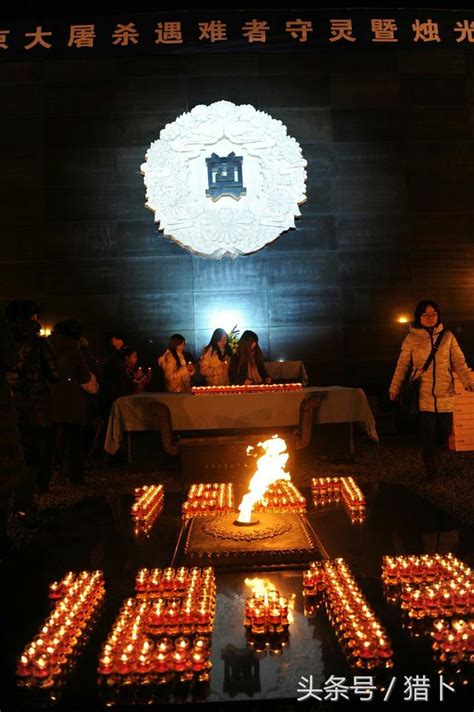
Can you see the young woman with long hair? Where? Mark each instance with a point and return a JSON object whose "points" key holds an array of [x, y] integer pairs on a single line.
{"points": [[247, 366], [215, 359], [177, 371]]}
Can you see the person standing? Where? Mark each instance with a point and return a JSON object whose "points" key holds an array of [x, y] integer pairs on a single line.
{"points": [[247, 366], [69, 406], [176, 369], [215, 359], [35, 370], [12, 464], [436, 394], [111, 377]]}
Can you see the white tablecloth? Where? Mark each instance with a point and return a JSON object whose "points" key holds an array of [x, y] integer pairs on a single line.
{"points": [[237, 411]]}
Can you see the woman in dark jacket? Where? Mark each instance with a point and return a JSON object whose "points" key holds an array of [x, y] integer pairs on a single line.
{"points": [[12, 465], [69, 407], [247, 366], [30, 378]]}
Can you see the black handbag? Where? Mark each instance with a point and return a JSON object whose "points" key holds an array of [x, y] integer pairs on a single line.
{"points": [[409, 396]]}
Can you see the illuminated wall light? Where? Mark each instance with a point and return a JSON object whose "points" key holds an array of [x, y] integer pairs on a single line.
{"points": [[226, 319], [403, 319], [45, 331]]}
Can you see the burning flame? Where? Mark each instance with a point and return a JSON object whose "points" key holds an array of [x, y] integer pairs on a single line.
{"points": [[270, 468], [264, 588]]}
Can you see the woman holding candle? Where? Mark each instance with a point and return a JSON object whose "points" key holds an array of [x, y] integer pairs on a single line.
{"points": [[215, 359], [177, 371], [436, 396], [133, 380], [247, 366]]}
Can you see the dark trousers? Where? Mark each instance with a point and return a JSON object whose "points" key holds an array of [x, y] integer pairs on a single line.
{"points": [[38, 446], [4, 504], [70, 450], [434, 432]]}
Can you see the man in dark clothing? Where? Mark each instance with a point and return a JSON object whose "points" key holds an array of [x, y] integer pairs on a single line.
{"points": [[35, 369], [69, 404], [112, 373]]}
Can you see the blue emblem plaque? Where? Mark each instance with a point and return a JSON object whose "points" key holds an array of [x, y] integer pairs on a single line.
{"points": [[225, 176]]}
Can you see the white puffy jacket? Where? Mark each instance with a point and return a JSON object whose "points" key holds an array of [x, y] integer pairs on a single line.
{"points": [[437, 384], [213, 369], [177, 378]]}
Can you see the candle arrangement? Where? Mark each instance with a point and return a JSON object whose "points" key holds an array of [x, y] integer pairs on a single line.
{"points": [[148, 505], [361, 636], [436, 595], [281, 496], [163, 634], [429, 586], [435, 600], [51, 654], [398, 570], [260, 388], [268, 616], [453, 641], [206, 499], [332, 490]]}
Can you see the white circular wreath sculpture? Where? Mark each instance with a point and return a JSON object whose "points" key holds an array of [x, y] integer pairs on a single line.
{"points": [[178, 180]]}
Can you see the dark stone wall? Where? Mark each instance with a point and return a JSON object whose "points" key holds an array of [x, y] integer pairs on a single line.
{"points": [[389, 218]]}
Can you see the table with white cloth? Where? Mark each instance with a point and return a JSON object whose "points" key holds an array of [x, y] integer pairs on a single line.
{"points": [[339, 406]]}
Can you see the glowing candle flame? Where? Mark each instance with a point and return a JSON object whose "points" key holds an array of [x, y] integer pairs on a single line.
{"points": [[270, 468], [264, 588]]}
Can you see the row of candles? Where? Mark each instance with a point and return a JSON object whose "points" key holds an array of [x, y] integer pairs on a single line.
{"points": [[267, 618], [436, 590], [266, 614], [53, 651], [362, 636], [166, 636], [453, 640], [255, 388], [397, 570], [182, 598], [132, 649], [436, 600], [148, 505], [328, 490], [171, 582], [208, 499], [282, 496]]}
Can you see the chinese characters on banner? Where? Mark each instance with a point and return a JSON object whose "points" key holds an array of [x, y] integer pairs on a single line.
{"points": [[236, 31]]}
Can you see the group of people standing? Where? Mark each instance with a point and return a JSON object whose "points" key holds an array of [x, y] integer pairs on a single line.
{"points": [[218, 364], [48, 385]]}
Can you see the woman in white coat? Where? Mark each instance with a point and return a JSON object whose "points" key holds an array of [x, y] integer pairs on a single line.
{"points": [[215, 359], [436, 402], [177, 371]]}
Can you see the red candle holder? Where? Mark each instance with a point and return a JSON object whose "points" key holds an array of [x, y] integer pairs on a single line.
{"points": [[158, 631], [360, 634], [50, 654]]}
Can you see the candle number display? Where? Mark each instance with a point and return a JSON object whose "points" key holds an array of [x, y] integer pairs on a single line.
{"points": [[333, 490], [206, 499], [148, 505], [361, 636], [48, 658]]}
